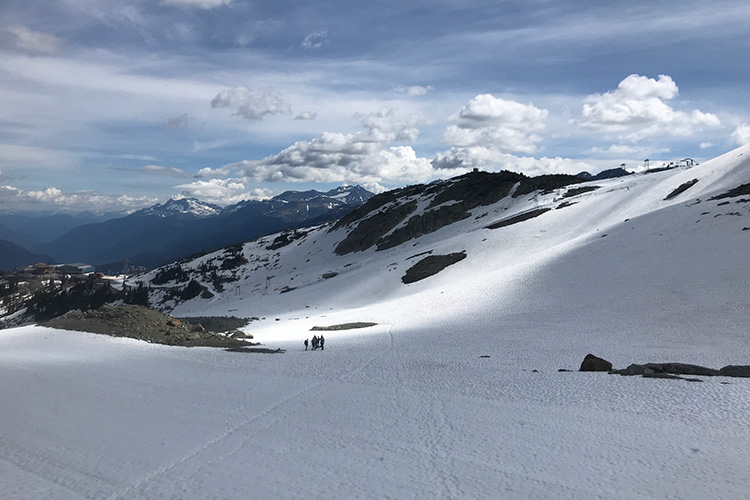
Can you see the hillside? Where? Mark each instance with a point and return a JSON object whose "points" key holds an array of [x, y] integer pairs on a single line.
{"points": [[13, 256], [461, 384]]}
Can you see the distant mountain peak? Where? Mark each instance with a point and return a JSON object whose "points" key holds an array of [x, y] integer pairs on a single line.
{"points": [[186, 206]]}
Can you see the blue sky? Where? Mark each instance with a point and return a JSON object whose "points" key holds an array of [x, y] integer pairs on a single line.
{"points": [[118, 104]]}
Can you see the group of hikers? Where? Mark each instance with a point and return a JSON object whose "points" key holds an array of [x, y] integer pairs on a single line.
{"points": [[316, 342]]}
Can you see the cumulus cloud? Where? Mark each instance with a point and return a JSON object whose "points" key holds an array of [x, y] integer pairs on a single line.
{"points": [[315, 40], [336, 157], [222, 191], [208, 172], [250, 104], [458, 160], [32, 42], [53, 198], [306, 115], [741, 134], [195, 4], [161, 170], [385, 126], [487, 120], [637, 109], [414, 90]]}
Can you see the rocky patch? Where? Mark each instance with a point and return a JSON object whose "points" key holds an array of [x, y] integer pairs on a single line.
{"points": [[343, 326], [430, 266], [518, 218], [142, 323], [681, 189]]}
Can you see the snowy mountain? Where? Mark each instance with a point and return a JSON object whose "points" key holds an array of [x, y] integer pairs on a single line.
{"points": [[454, 390], [181, 227], [183, 206]]}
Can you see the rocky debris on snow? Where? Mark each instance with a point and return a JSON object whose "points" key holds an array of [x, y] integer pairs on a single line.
{"points": [[681, 189], [142, 323], [663, 370], [518, 218], [579, 190], [669, 368], [736, 371], [430, 266], [738, 191], [343, 326], [593, 363]]}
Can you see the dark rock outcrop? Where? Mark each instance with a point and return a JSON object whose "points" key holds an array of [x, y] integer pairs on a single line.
{"points": [[430, 266], [681, 188], [736, 371], [593, 363], [518, 218]]}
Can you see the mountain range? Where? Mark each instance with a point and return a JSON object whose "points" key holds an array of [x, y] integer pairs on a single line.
{"points": [[180, 227]]}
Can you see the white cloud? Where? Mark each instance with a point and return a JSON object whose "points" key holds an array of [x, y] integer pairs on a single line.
{"points": [[414, 90], [222, 191], [32, 42], [250, 104], [741, 134], [487, 120], [53, 198], [706, 145], [195, 4], [306, 115], [385, 126], [637, 109], [209, 172], [315, 40], [336, 157], [165, 171], [459, 160]]}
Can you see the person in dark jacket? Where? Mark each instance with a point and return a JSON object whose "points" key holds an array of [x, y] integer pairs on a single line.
{"points": [[322, 342], [305, 344]]}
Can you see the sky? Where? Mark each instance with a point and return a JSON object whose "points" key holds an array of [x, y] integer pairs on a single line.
{"points": [[114, 105]]}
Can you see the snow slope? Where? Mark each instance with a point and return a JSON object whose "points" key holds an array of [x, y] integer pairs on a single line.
{"points": [[413, 408]]}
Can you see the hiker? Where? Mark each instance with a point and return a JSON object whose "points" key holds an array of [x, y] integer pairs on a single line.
{"points": [[314, 342], [305, 344], [322, 342]]}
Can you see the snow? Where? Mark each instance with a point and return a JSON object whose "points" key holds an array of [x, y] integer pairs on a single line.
{"points": [[409, 408]]}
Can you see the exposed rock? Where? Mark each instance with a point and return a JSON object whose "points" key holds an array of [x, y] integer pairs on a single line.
{"points": [[736, 371], [343, 326], [370, 230], [682, 369], [579, 190], [425, 223], [141, 323], [545, 183], [593, 363], [239, 334], [430, 266], [738, 191], [519, 218], [681, 188]]}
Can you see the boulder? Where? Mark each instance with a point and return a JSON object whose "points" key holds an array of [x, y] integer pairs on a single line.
{"points": [[735, 371], [239, 334], [593, 363]]}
